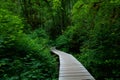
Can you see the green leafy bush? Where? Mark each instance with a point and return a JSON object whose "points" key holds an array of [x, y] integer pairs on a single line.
{"points": [[10, 27], [23, 56]]}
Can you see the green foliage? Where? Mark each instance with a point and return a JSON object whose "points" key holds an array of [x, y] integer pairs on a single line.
{"points": [[90, 29], [11, 5], [56, 4], [95, 35], [62, 43], [32, 60], [10, 27], [101, 50], [24, 56]]}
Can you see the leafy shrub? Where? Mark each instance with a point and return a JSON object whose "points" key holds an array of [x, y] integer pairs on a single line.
{"points": [[10, 27], [23, 56]]}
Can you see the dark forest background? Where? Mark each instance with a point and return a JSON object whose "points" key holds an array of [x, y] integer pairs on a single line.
{"points": [[88, 29]]}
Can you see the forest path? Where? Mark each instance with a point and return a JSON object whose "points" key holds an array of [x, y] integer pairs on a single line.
{"points": [[71, 68]]}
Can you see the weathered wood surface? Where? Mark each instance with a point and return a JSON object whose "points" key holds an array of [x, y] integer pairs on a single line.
{"points": [[70, 68]]}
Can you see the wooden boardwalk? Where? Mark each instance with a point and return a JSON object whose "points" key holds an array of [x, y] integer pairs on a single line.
{"points": [[70, 68]]}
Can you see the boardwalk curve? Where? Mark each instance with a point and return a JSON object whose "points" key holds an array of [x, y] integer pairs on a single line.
{"points": [[71, 68]]}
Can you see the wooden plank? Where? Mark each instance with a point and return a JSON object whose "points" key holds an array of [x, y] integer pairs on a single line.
{"points": [[71, 68]]}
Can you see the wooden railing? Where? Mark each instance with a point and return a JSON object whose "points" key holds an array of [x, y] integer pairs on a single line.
{"points": [[70, 68]]}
